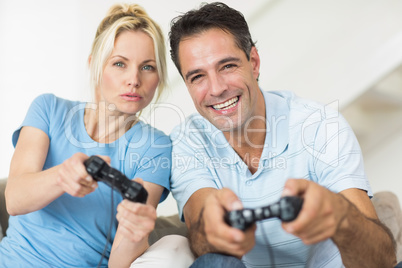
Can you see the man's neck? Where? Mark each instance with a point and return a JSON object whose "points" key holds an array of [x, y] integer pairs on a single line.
{"points": [[248, 147], [248, 141]]}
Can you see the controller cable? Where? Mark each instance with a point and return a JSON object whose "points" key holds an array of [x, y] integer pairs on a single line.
{"points": [[110, 226], [266, 241]]}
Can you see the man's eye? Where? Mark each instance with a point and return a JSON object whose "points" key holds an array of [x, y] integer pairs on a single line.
{"points": [[229, 66], [119, 64], [195, 78]]}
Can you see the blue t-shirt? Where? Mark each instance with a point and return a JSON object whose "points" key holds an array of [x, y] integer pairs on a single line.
{"points": [[72, 231], [303, 140]]}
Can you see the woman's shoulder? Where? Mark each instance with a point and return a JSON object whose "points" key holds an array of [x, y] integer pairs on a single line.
{"points": [[147, 128], [55, 110], [145, 133], [51, 100]]}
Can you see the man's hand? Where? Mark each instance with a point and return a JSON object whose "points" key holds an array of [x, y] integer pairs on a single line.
{"points": [[321, 215], [348, 218], [210, 233], [220, 235]]}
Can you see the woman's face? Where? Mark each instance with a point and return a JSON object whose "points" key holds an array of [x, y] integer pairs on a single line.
{"points": [[130, 77]]}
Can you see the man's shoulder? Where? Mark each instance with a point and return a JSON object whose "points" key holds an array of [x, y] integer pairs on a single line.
{"points": [[196, 133], [294, 101], [301, 108], [194, 124]]}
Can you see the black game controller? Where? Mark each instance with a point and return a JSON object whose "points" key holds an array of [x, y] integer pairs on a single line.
{"points": [[101, 171], [286, 209]]}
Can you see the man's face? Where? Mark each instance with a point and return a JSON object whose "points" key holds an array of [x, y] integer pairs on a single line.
{"points": [[221, 81]]}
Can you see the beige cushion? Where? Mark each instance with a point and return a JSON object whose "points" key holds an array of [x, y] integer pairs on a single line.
{"points": [[3, 211], [166, 226], [389, 212]]}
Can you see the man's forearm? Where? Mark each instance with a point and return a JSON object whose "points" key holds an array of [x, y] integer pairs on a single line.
{"points": [[364, 242], [198, 242]]}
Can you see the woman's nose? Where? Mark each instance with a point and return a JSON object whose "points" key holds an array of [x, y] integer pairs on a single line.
{"points": [[134, 79]]}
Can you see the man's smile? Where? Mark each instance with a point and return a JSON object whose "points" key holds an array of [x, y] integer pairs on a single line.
{"points": [[227, 104]]}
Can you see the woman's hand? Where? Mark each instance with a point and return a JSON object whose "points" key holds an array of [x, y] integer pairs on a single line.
{"points": [[136, 220], [73, 177]]}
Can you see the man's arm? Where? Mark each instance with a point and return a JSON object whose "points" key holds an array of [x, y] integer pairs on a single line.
{"points": [[348, 218], [204, 212], [361, 237]]}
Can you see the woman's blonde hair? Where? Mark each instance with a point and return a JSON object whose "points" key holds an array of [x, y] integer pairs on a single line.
{"points": [[120, 18]]}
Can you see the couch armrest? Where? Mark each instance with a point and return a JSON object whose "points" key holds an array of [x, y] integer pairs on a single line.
{"points": [[389, 212], [3, 211], [167, 226]]}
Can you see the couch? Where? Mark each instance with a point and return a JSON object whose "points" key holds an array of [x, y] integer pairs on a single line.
{"points": [[386, 204], [164, 225], [3, 211]]}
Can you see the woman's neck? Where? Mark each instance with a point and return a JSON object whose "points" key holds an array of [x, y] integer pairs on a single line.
{"points": [[105, 125]]}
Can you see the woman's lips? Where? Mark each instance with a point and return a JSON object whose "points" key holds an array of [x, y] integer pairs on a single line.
{"points": [[131, 97]]}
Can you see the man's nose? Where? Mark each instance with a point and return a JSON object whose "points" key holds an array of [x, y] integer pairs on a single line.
{"points": [[217, 85]]}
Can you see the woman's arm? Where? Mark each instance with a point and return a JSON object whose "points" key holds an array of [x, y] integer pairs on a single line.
{"points": [[136, 221], [29, 188]]}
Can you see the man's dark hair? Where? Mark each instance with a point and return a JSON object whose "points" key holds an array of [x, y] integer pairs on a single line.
{"points": [[208, 16]]}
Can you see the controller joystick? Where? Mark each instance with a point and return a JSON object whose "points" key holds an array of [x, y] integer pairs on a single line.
{"points": [[101, 171], [286, 209]]}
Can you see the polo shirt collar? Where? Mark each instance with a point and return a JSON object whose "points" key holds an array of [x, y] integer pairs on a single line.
{"points": [[277, 131], [277, 118]]}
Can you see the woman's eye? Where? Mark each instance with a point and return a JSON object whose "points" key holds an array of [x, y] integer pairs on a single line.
{"points": [[148, 68], [119, 64]]}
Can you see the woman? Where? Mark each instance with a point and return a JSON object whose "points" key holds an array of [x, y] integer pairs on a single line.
{"points": [[60, 216]]}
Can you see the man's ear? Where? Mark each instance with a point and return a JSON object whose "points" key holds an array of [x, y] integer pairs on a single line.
{"points": [[255, 62]]}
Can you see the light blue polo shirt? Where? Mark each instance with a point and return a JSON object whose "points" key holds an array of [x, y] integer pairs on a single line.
{"points": [[304, 139]]}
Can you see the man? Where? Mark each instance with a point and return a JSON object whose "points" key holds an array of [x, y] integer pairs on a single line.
{"points": [[248, 148]]}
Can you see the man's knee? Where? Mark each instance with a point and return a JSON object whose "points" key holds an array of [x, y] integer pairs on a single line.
{"points": [[218, 260]]}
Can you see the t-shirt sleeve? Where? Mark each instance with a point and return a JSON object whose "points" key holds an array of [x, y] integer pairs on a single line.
{"points": [[38, 115], [155, 164], [338, 161]]}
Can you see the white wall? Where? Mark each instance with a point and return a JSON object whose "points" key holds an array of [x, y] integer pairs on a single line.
{"points": [[44, 46], [333, 51], [383, 165], [325, 50]]}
